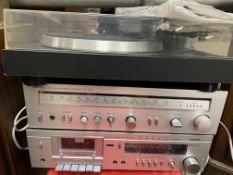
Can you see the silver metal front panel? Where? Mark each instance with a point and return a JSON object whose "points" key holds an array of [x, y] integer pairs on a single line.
{"points": [[44, 149], [61, 106]]}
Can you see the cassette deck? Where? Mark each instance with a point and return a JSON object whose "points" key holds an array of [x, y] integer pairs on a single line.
{"points": [[117, 150]]}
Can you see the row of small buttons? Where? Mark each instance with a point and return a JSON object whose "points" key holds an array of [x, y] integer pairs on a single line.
{"points": [[150, 162], [78, 168]]}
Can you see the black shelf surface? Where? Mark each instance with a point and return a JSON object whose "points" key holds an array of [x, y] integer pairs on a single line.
{"points": [[134, 67]]}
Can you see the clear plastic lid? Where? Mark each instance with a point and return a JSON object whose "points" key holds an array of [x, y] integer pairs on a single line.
{"points": [[70, 31]]}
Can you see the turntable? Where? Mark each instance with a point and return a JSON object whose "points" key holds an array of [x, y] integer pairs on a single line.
{"points": [[116, 48]]}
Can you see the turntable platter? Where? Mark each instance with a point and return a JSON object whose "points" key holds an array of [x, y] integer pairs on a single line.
{"points": [[103, 45]]}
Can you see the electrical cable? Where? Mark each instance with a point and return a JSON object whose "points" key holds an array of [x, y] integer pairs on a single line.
{"points": [[219, 165], [15, 129], [229, 138]]}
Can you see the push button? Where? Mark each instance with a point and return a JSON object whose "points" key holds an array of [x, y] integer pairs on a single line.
{"points": [[96, 168], [40, 117], [89, 168], [66, 167], [155, 162], [74, 168], [70, 118], [82, 168], [59, 167], [149, 120]]}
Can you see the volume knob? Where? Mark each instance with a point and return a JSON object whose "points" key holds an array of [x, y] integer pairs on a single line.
{"points": [[131, 121], [203, 123], [191, 165]]}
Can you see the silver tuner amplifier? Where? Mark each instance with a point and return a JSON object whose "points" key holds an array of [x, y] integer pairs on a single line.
{"points": [[134, 109]]}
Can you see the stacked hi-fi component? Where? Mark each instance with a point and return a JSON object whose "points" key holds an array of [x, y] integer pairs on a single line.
{"points": [[160, 123], [82, 128]]}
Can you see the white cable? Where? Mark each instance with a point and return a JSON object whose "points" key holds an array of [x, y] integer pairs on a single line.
{"points": [[229, 139], [207, 160], [221, 166], [17, 120], [17, 117], [23, 128]]}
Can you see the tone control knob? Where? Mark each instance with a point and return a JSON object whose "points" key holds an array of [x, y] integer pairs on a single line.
{"points": [[176, 123], [171, 164], [203, 123], [83, 119], [97, 119], [110, 119], [191, 165], [131, 121]]}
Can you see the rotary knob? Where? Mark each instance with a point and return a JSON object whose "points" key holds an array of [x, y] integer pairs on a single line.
{"points": [[203, 123], [171, 164], [191, 165], [97, 119], [176, 123], [83, 119], [110, 119], [131, 121]]}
